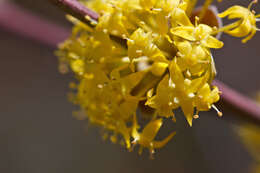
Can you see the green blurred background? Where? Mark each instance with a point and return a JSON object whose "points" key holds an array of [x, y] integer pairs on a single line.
{"points": [[39, 135]]}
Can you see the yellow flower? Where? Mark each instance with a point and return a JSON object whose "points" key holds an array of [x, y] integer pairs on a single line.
{"points": [[163, 101], [146, 138], [177, 91], [193, 44], [200, 34], [193, 57], [96, 95], [162, 60], [160, 5], [142, 44], [179, 17], [249, 135], [245, 26], [206, 97]]}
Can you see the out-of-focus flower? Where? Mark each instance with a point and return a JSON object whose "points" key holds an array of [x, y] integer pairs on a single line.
{"points": [[141, 51], [249, 134]]}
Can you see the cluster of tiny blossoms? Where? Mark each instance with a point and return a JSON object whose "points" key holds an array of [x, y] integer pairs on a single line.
{"points": [[149, 54]]}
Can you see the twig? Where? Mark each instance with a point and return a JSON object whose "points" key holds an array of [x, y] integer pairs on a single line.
{"points": [[238, 101], [76, 9], [51, 34], [18, 21]]}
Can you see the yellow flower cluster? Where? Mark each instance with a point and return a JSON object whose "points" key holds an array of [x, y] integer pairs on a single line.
{"points": [[145, 53]]}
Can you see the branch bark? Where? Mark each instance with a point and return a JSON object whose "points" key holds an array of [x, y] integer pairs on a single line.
{"points": [[20, 22], [242, 104], [76, 9]]}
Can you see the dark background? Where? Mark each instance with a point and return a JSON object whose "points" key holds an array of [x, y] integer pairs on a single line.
{"points": [[38, 133]]}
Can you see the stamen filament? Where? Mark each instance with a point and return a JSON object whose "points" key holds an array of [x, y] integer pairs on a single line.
{"points": [[251, 4], [204, 8], [196, 116], [191, 6], [227, 27], [216, 109]]}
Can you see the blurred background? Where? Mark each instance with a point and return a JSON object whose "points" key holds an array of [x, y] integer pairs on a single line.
{"points": [[38, 133]]}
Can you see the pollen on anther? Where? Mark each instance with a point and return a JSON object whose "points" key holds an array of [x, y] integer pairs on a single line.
{"points": [[139, 51], [188, 73], [220, 114], [100, 86], [187, 81], [176, 100], [191, 95], [171, 84], [196, 116]]}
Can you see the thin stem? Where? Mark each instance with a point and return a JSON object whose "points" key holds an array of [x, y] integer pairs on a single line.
{"points": [[84, 14], [35, 28], [227, 27], [76, 9], [191, 6], [204, 8], [18, 21]]}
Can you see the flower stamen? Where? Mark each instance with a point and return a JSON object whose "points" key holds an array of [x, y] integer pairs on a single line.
{"points": [[251, 4], [220, 114], [205, 8]]}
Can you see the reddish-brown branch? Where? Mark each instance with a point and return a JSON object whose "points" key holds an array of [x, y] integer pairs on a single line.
{"points": [[239, 101], [19, 21], [76, 9], [50, 34]]}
